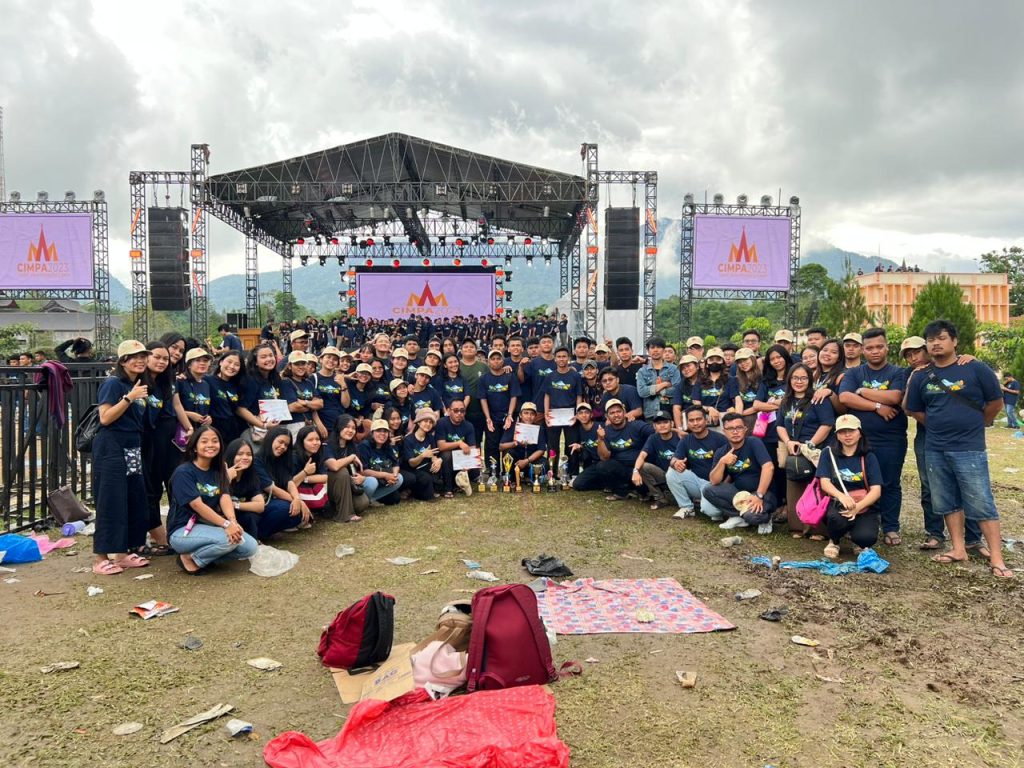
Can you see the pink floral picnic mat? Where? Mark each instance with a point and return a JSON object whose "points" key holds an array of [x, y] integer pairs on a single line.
{"points": [[587, 607]]}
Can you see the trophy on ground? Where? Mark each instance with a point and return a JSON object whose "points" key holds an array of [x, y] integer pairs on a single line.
{"points": [[519, 477], [536, 470], [506, 462], [493, 482], [563, 473], [551, 472]]}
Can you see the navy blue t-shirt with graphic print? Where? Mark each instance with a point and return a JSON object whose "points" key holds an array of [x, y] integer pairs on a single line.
{"points": [[428, 398], [802, 419], [880, 433], [700, 452], [851, 470], [254, 389], [952, 424], [131, 422], [195, 395], [562, 389], [189, 483], [747, 396], [498, 390], [767, 391], [627, 394], [626, 442], [223, 398], [452, 389], [745, 472], [660, 451], [453, 433], [412, 447], [328, 390], [714, 394], [379, 459]]}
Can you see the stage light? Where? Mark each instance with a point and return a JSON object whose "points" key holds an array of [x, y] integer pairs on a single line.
{"points": [[341, 260], [490, 241], [741, 200], [334, 241], [296, 189], [529, 261], [484, 262], [387, 240], [508, 295], [499, 292], [396, 263], [440, 241], [547, 190], [426, 262], [15, 196], [300, 241], [369, 262], [348, 189], [408, 212], [369, 242], [499, 272], [460, 242], [317, 240], [528, 241], [308, 223], [688, 198], [99, 196], [457, 262], [511, 239], [69, 196], [499, 310], [766, 200], [508, 260], [304, 259], [241, 189], [547, 211], [352, 240], [719, 198], [341, 295], [42, 197], [508, 275], [135, 253], [323, 261], [351, 292], [441, 190], [794, 201], [547, 261]]}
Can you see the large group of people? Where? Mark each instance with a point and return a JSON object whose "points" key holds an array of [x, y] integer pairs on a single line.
{"points": [[738, 433]]}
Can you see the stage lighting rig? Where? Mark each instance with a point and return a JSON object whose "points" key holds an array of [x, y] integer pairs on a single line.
{"points": [[741, 200], [529, 261], [304, 259], [766, 201], [547, 260], [323, 261], [718, 199], [300, 241]]}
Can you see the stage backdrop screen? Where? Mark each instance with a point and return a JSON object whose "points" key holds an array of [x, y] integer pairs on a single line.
{"points": [[741, 252], [394, 295], [46, 251]]}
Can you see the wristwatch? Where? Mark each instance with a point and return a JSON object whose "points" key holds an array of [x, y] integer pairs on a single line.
{"points": [[759, 495], [126, 398], [878, 406], [226, 524]]}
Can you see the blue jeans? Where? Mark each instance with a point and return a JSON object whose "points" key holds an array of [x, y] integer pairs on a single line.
{"points": [[960, 481], [890, 459], [1011, 416], [935, 524], [686, 487], [209, 543], [376, 490]]}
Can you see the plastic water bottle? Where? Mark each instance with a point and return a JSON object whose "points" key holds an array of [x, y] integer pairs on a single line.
{"points": [[72, 529]]}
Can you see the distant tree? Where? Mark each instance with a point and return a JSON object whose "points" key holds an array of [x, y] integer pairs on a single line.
{"points": [[812, 285], [843, 310], [760, 324], [14, 338], [942, 299], [1008, 261]]}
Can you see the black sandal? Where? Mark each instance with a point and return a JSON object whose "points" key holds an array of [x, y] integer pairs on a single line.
{"points": [[186, 571], [155, 550]]}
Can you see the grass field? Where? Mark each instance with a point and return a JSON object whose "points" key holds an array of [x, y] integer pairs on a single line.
{"points": [[929, 656]]}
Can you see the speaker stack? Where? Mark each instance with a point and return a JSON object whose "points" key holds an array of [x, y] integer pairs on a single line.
{"points": [[622, 258], [168, 260]]}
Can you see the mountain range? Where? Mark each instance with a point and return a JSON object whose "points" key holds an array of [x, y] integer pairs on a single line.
{"points": [[317, 287]]}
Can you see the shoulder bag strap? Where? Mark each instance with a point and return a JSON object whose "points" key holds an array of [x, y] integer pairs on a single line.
{"points": [[954, 393], [835, 468]]}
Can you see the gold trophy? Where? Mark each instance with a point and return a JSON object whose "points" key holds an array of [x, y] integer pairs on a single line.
{"points": [[506, 462], [519, 487]]}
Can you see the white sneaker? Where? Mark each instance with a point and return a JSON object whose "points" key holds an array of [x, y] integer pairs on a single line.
{"points": [[734, 522], [683, 513], [462, 481], [765, 528]]}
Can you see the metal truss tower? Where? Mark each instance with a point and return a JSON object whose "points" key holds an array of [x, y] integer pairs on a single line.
{"points": [[200, 314]]}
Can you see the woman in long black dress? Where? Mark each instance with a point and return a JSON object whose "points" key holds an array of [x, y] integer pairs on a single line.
{"points": [[118, 483]]}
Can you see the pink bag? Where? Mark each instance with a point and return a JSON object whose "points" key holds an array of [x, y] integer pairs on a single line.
{"points": [[761, 425], [440, 664], [812, 505]]}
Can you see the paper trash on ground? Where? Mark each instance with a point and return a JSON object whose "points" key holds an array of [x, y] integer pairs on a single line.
{"points": [[402, 560], [152, 609], [217, 710]]}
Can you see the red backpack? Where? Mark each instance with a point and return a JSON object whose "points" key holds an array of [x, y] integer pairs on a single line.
{"points": [[507, 645], [361, 635]]}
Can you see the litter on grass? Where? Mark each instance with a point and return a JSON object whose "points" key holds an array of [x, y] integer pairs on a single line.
{"points": [[429, 572], [152, 609], [127, 729], [191, 643], [482, 576], [800, 640], [264, 664], [473, 565], [269, 562], [402, 560], [637, 557], [217, 710], [235, 727], [868, 561], [748, 594], [686, 678], [773, 614], [93, 591], [144, 576], [344, 550], [59, 666]]}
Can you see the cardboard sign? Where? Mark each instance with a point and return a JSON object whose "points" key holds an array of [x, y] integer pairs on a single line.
{"points": [[387, 682]]}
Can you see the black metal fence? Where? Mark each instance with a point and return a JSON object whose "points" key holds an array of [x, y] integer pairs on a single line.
{"points": [[37, 456]]}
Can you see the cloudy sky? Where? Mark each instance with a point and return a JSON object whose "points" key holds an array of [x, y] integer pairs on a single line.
{"points": [[898, 124]]}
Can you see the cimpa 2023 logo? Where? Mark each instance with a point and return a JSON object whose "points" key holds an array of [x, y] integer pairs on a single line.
{"points": [[42, 258]]}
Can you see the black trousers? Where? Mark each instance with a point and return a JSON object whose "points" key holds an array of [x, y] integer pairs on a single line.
{"points": [[492, 441], [608, 473], [862, 530], [159, 460], [555, 434], [420, 482]]}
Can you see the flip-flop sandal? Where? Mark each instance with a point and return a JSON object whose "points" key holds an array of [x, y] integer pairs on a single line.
{"points": [[156, 550], [892, 539], [796, 535], [131, 561], [831, 552], [354, 519], [816, 537], [980, 549], [946, 559], [1002, 572], [929, 544], [449, 495], [107, 568]]}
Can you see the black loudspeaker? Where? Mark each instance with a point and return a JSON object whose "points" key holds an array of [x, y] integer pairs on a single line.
{"points": [[622, 258], [237, 320], [168, 260]]}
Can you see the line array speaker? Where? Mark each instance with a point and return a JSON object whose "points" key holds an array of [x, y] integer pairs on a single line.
{"points": [[168, 260], [622, 258]]}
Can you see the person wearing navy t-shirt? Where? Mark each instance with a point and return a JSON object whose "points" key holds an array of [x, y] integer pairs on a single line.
{"points": [[533, 372], [119, 487], [455, 433], [613, 389], [690, 468], [563, 388], [874, 393], [524, 453], [712, 388], [330, 385], [499, 395], [619, 442], [653, 462], [421, 464], [583, 453], [225, 383], [194, 390], [1011, 394], [744, 464], [855, 482], [957, 400], [422, 394]]}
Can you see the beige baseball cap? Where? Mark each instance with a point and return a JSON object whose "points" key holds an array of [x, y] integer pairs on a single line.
{"points": [[331, 351], [744, 354], [528, 406], [602, 348], [298, 334], [695, 341], [688, 359], [364, 368], [379, 424], [854, 337], [741, 501], [400, 352], [296, 357], [424, 370], [396, 383], [132, 347], [715, 352], [192, 354], [912, 342], [784, 335], [613, 403], [847, 421]]}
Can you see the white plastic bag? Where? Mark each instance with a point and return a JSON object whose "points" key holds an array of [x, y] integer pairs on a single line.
{"points": [[272, 562]]}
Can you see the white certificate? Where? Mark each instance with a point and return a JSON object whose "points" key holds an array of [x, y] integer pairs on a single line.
{"points": [[469, 460], [275, 410], [526, 433], [562, 417]]}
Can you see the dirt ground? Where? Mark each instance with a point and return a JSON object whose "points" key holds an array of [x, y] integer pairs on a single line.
{"points": [[927, 657]]}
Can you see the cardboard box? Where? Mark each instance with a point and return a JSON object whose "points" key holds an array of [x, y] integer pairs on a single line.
{"points": [[390, 680]]}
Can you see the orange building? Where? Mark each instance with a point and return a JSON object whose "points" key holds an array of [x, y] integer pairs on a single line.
{"points": [[896, 291]]}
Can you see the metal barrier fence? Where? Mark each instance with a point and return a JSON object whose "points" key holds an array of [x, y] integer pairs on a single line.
{"points": [[37, 457]]}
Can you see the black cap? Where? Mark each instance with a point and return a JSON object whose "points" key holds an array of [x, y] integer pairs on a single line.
{"points": [[661, 416]]}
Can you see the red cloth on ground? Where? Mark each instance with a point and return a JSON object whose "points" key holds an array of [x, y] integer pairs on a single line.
{"points": [[510, 728]]}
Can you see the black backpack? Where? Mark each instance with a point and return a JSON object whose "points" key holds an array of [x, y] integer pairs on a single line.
{"points": [[87, 428]]}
